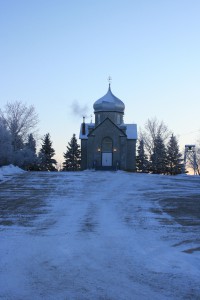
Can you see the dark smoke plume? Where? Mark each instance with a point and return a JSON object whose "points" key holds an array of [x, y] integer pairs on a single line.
{"points": [[79, 110]]}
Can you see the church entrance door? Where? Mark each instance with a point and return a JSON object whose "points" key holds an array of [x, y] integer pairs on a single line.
{"points": [[107, 152], [106, 159]]}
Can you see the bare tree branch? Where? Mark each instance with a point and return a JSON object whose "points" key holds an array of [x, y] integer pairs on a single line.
{"points": [[153, 128]]}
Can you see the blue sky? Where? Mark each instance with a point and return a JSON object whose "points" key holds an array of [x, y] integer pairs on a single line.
{"points": [[54, 53]]}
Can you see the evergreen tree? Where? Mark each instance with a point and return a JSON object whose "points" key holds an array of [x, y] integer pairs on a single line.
{"points": [[6, 148], [72, 156], [46, 153], [142, 163], [153, 128], [174, 161], [30, 156], [31, 143], [159, 157]]}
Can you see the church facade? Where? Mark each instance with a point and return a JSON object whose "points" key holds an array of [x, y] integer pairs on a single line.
{"points": [[109, 143]]}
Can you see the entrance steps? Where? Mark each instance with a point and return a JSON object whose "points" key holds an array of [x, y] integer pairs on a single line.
{"points": [[105, 168]]}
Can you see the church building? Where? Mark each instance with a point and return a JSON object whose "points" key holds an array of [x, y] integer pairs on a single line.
{"points": [[109, 143]]}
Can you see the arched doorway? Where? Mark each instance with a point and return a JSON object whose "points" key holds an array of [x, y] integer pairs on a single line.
{"points": [[107, 152]]}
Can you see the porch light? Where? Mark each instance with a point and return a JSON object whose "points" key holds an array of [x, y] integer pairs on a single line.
{"points": [[114, 149], [99, 149]]}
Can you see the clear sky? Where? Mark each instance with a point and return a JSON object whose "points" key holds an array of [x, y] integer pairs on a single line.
{"points": [[56, 53]]}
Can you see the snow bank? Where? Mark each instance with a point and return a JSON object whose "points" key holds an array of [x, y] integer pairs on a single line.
{"points": [[10, 170]]}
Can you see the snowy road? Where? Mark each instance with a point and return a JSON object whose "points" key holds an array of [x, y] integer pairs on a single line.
{"points": [[99, 235]]}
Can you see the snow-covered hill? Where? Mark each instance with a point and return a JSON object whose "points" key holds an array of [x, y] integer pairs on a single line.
{"points": [[100, 235]]}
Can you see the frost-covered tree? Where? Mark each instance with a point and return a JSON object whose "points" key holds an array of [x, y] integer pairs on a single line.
{"points": [[142, 162], [6, 149], [152, 129], [174, 160], [72, 156], [30, 156], [192, 158], [46, 153], [198, 157], [32, 163], [159, 157], [198, 161], [26, 158], [20, 120]]}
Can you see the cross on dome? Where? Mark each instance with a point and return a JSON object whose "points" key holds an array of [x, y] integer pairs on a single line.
{"points": [[109, 80]]}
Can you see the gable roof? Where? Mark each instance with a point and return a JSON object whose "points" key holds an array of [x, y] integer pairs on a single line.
{"points": [[107, 119], [131, 130]]}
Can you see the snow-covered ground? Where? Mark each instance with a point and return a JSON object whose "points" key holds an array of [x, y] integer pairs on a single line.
{"points": [[99, 235]]}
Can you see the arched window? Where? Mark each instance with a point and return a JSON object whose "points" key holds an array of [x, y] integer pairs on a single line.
{"points": [[118, 120], [98, 119], [107, 144]]}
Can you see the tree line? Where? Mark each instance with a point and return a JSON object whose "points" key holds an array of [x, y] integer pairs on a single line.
{"points": [[157, 147], [158, 150], [18, 142]]}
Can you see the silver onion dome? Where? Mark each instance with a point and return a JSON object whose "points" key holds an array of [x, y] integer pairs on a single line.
{"points": [[109, 102]]}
